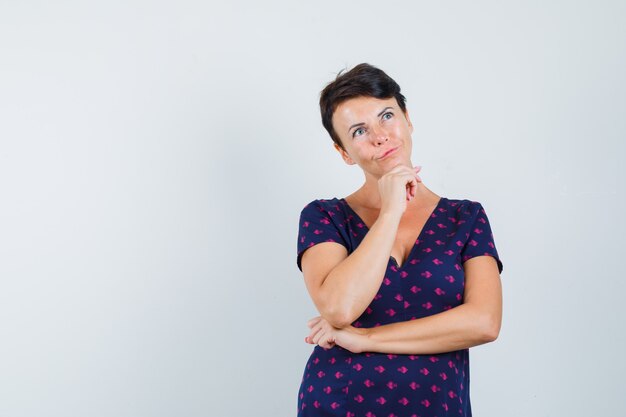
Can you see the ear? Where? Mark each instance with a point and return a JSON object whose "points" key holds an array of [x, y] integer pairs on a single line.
{"points": [[408, 119], [344, 154]]}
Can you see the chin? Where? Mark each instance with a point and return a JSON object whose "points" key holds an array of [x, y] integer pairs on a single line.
{"points": [[398, 162]]}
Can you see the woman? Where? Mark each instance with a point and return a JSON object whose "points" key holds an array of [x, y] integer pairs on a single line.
{"points": [[405, 280]]}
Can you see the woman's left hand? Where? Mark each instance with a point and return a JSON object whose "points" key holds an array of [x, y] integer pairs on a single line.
{"points": [[324, 334]]}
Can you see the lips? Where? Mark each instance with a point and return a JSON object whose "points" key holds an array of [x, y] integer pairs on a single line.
{"points": [[390, 151]]}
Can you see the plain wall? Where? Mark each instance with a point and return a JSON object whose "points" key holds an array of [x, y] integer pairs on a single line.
{"points": [[155, 156]]}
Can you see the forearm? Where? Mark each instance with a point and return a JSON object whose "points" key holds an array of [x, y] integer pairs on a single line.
{"points": [[462, 327], [352, 285]]}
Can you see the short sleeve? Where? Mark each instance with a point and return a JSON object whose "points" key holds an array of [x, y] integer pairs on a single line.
{"points": [[320, 222], [480, 239]]}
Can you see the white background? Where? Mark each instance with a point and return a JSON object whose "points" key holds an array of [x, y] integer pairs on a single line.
{"points": [[155, 156]]}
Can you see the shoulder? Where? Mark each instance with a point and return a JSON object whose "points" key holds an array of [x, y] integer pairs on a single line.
{"points": [[324, 213], [319, 203], [322, 220], [327, 207], [465, 208]]}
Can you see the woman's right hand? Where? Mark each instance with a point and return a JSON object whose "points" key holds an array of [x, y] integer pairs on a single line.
{"points": [[397, 187]]}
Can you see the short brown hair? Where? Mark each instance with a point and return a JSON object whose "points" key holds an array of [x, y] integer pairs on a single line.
{"points": [[364, 80]]}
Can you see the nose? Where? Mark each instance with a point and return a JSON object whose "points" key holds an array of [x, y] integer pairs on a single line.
{"points": [[379, 135]]}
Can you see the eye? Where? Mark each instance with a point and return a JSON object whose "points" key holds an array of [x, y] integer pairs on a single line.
{"points": [[387, 115], [358, 132]]}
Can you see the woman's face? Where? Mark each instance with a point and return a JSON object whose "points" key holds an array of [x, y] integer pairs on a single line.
{"points": [[375, 133]]}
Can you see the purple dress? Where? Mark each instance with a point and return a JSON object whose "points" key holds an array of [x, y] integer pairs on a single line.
{"points": [[337, 382]]}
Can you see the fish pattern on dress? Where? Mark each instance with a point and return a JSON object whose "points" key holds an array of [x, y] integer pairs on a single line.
{"points": [[337, 382]]}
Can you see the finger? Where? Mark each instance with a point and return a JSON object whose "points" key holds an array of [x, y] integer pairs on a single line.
{"points": [[313, 321], [413, 186], [327, 343], [318, 336], [323, 333], [410, 186], [419, 179], [324, 342], [314, 331]]}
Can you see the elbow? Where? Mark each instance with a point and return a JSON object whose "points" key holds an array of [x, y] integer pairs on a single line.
{"points": [[338, 317], [490, 328], [491, 335], [340, 323]]}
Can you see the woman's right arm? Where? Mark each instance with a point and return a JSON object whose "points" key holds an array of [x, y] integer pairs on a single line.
{"points": [[342, 285]]}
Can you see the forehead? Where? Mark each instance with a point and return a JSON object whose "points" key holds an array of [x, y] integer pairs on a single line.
{"points": [[358, 109]]}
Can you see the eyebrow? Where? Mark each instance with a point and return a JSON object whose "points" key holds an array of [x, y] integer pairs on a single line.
{"points": [[384, 110], [361, 124], [355, 125]]}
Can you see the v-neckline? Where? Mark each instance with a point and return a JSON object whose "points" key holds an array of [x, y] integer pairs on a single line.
{"points": [[419, 236]]}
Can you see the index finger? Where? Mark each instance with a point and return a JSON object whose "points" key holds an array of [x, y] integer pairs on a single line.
{"points": [[313, 321]]}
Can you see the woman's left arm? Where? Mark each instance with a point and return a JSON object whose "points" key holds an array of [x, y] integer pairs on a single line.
{"points": [[475, 322]]}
